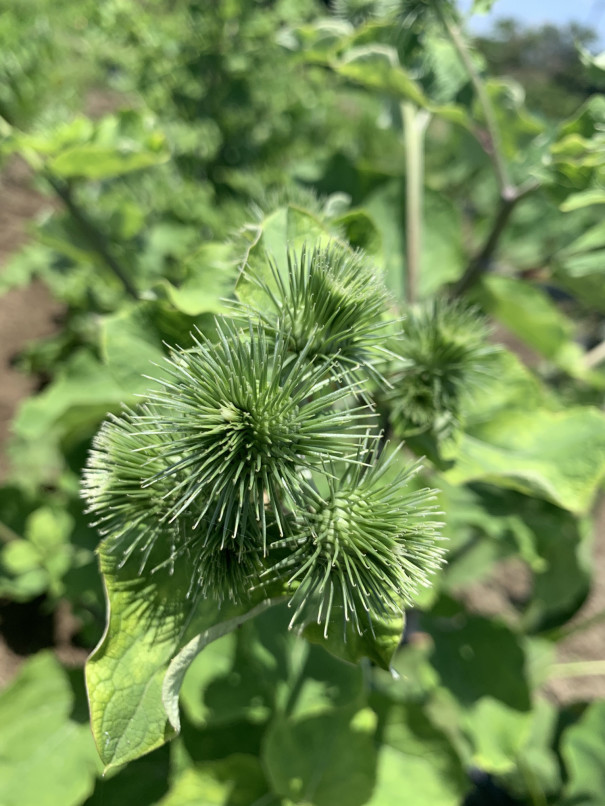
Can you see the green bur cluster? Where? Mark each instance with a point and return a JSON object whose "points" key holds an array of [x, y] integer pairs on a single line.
{"points": [[443, 354], [256, 463]]}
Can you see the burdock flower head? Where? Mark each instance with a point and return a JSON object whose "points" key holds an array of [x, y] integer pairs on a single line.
{"points": [[241, 420], [218, 452], [363, 549], [251, 467], [331, 301], [443, 353]]}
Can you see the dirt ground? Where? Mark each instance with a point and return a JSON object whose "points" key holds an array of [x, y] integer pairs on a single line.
{"points": [[30, 313], [25, 313]]}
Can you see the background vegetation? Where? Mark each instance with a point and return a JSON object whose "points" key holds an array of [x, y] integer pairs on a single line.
{"points": [[470, 171]]}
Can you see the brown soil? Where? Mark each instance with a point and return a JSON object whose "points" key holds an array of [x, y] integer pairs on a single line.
{"points": [[25, 313]]}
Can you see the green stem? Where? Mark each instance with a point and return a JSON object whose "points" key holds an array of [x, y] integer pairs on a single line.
{"points": [[481, 262], [494, 150], [90, 231], [583, 668], [415, 121]]}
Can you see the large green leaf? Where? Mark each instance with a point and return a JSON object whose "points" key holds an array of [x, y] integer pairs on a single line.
{"points": [[485, 524], [537, 768], [81, 393], [154, 632], [528, 312], [559, 456], [211, 276], [133, 343], [564, 543], [234, 781], [324, 760], [262, 668], [92, 161], [285, 227], [442, 258], [46, 757], [416, 761], [63, 416], [583, 750], [377, 67], [465, 659], [498, 734], [412, 776]]}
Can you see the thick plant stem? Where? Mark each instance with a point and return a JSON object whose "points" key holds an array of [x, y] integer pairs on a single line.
{"points": [[415, 121], [94, 237]]}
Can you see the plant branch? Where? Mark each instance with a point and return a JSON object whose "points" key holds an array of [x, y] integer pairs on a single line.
{"points": [[495, 145], [90, 231], [482, 261], [415, 121]]}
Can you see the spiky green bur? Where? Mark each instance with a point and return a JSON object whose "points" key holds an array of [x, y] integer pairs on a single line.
{"points": [[215, 472], [365, 549], [217, 453], [443, 354], [243, 420], [331, 301], [135, 517], [122, 457]]}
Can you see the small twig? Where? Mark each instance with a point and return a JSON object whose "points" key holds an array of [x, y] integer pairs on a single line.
{"points": [[495, 145], [595, 356], [583, 668], [482, 261], [90, 232]]}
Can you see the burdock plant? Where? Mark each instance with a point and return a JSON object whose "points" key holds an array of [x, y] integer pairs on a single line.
{"points": [[255, 473], [253, 463]]}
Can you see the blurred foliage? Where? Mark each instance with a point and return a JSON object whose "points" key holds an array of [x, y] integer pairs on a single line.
{"points": [[179, 141], [545, 60]]}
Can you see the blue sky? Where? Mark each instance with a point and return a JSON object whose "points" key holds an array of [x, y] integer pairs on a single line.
{"points": [[536, 12]]}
